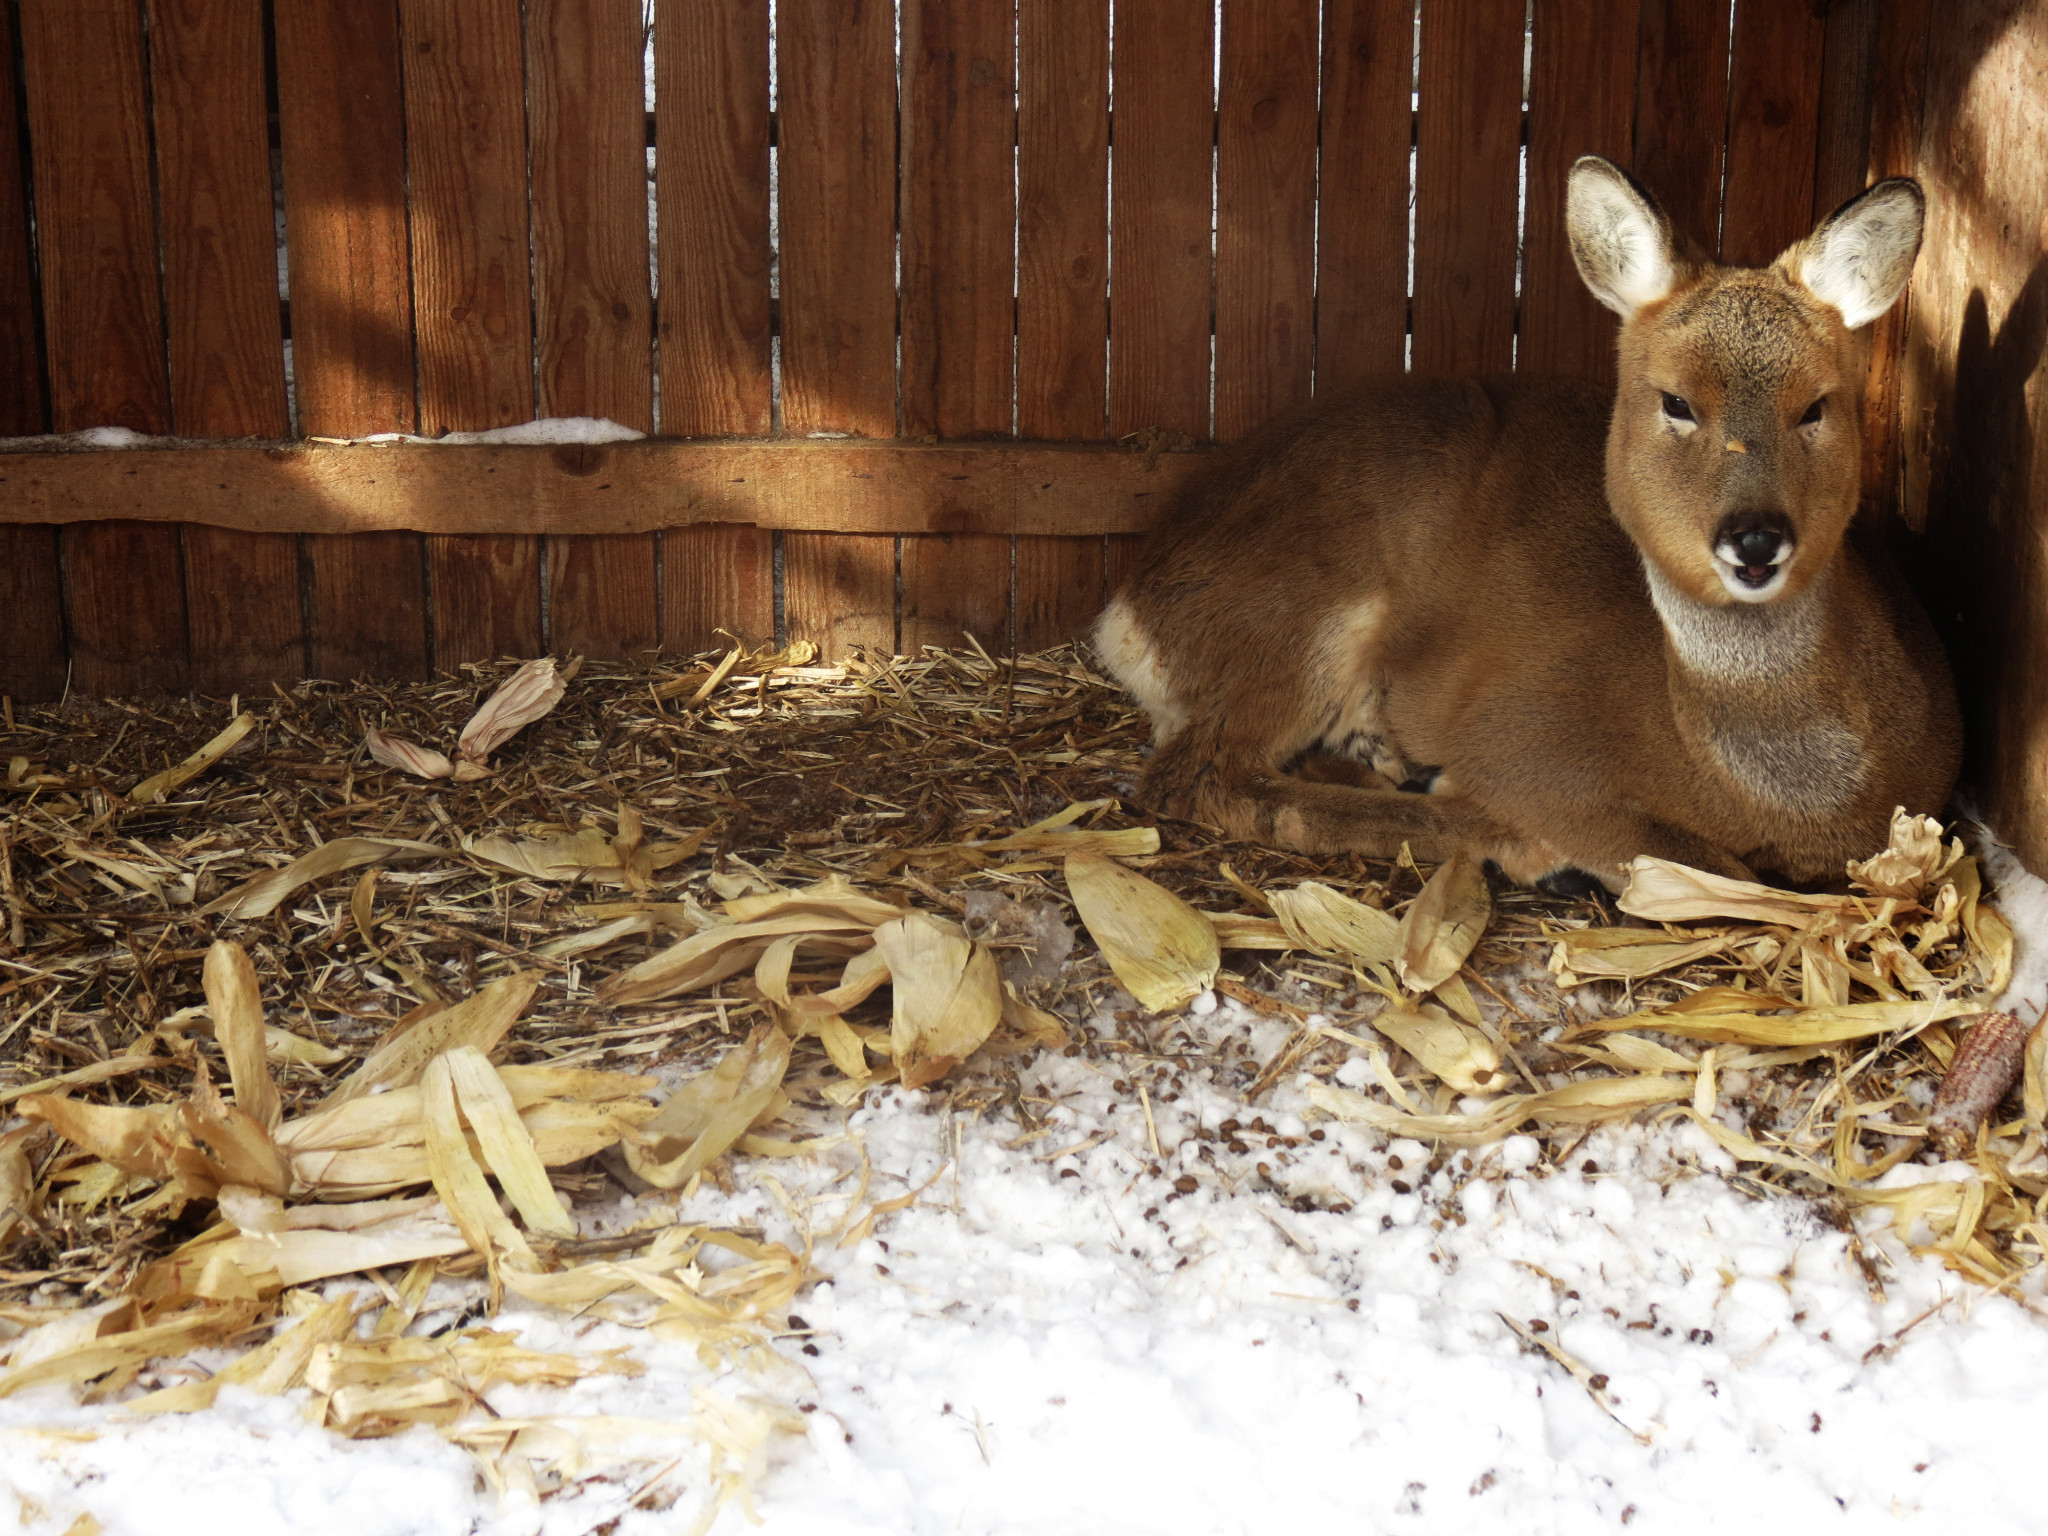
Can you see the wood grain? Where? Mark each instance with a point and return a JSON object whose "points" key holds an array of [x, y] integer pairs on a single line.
{"points": [[959, 218], [96, 245], [341, 121], [1160, 260], [485, 595], [1062, 286], [720, 576], [1841, 165], [838, 181], [1894, 393], [1773, 128], [1581, 102], [23, 408], [342, 143], [959, 238], [711, 166], [1682, 110], [1979, 359], [32, 650], [465, 119], [1265, 212], [1059, 589], [853, 487], [1062, 219], [593, 308], [223, 321], [1362, 207], [1468, 138], [837, 137], [956, 585], [368, 595], [840, 592]]}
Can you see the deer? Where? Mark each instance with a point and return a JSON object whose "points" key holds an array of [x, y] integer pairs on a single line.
{"points": [[1555, 628]]}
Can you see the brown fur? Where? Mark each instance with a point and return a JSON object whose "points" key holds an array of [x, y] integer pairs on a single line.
{"points": [[1455, 575]]}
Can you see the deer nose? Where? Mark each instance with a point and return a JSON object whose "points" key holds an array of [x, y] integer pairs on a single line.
{"points": [[1758, 546]]}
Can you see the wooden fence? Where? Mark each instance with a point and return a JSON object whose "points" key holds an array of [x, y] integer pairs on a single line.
{"points": [[960, 243], [924, 299]]}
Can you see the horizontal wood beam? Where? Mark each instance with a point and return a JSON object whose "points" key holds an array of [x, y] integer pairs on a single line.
{"points": [[634, 487]]}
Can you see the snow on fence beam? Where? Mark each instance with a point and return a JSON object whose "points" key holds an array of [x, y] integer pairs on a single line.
{"points": [[632, 487]]}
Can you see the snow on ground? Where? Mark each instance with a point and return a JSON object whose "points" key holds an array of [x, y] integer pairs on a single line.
{"points": [[1056, 1338]]}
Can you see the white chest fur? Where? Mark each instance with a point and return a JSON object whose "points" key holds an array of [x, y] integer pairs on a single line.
{"points": [[1776, 738]]}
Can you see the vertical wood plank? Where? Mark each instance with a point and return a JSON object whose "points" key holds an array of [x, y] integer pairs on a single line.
{"points": [[1898, 94], [342, 131], [1979, 357], [959, 234], [96, 241], [23, 409], [837, 135], [1848, 76], [1362, 197], [1059, 589], [1265, 211], [588, 138], [840, 591], [719, 576], [225, 329], [1062, 286], [1160, 262], [32, 652], [1773, 126], [465, 118], [1581, 102], [1682, 110], [342, 138], [1062, 218], [955, 585], [838, 185], [959, 217], [1468, 137], [593, 308], [711, 168], [32, 659]]}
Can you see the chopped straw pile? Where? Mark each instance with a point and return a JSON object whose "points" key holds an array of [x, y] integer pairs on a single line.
{"points": [[780, 885]]}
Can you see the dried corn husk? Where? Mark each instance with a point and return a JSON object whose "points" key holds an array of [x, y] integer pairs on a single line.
{"points": [[18, 1202], [236, 1008], [948, 995], [152, 790], [479, 1020], [1331, 923], [1442, 924], [262, 895], [1591, 1102], [1161, 949], [1802, 1026], [1456, 1053], [406, 756], [1235, 930], [1914, 861], [274, 1368], [178, 1335], [721, 951], [1676, 893], [521, 699], [1599, 954], [707, 1115]]}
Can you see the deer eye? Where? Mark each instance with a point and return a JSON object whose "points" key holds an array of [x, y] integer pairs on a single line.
{"points": [[1813, 412], [1676, 408]]}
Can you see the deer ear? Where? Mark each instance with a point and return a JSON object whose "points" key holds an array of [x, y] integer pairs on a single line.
{"points": [[1861, 256], [1620, 238]]}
